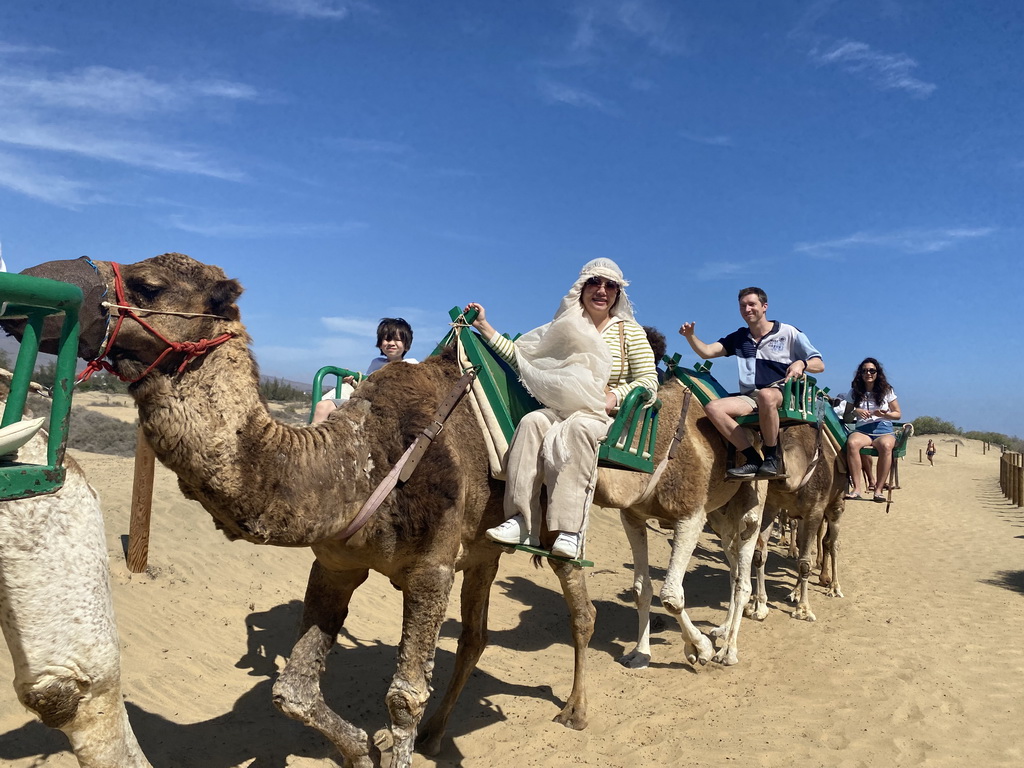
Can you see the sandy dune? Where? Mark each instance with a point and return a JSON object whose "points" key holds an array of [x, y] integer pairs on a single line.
{"points": [[922, 663]]}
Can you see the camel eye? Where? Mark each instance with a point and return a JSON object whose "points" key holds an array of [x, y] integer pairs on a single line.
{"points": [[145, 290]]}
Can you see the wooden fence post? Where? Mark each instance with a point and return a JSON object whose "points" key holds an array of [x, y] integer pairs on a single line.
{"points": [[142, 505]]}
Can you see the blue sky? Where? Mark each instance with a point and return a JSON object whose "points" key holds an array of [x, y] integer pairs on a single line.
{"points": [[862, 162]]}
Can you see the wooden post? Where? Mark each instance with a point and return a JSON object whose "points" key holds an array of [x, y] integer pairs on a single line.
{"points": [[1020, 486], [142, 506], [954, 450], [920, 456]]}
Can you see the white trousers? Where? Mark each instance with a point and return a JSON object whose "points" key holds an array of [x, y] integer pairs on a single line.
{"points": [[570, 478]]}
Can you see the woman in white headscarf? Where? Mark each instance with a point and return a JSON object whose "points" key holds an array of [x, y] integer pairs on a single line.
{"points": [[580, 366]]}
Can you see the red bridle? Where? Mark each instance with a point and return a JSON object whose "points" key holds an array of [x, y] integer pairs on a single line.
{"points": [[191, 349]]}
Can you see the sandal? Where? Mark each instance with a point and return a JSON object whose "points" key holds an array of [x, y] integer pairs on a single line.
{"points": [[879, 498], [852, 496], [871, 487]]}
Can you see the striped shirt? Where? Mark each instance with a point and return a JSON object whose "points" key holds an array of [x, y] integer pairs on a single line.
{"points": [[638, 369]]}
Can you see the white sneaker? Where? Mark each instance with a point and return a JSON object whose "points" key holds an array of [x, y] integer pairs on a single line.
{"points": [[512, 532], [567, 545]]}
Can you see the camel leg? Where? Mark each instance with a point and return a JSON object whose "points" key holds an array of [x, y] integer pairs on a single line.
{"points": [[831, 544], [740, 522], [697, 647], [297, 691], [425, 600], [808, 535], [582, 615], [822, 562], [643, 591], [757, 608], [476, 593]]}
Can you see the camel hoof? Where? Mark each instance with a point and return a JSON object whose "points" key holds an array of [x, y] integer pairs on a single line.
{"points": [[804, 614], [635, 660], [824, 581], [429, 743], [699, 654], [570, 718], [718, 631], [835, 591], [727, 657]]}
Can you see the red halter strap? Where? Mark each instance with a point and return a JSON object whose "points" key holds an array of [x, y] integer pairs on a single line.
{"points": [[191, 349]]}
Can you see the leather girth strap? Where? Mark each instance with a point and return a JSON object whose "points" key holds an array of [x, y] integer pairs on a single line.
{"points": [[411, 458]]}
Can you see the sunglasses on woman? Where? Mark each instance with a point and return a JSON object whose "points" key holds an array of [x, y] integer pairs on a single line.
{"points": [[869, 371], [596, 282]]}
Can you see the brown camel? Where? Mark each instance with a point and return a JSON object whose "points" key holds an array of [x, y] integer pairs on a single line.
{"points": [[690, 492], [270, 483], [812, 494]]}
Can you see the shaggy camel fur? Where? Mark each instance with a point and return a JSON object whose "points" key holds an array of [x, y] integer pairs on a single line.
{"points": [[269, 483], [691, 491], [58, 618], [814, 503]]}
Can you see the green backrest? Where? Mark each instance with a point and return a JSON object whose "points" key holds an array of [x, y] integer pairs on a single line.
{"points": [[697, 379], [35, 298], [506, 394]]}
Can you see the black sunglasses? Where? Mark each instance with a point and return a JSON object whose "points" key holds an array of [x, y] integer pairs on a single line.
{"points": [[610, 285], [869, 370]]}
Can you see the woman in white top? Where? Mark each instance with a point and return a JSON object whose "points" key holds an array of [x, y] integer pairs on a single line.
{"points": [[875, 406]]}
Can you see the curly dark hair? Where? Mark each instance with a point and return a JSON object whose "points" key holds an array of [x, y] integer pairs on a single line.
{"points": [[879, 387]]}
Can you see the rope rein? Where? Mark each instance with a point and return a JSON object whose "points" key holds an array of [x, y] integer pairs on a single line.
{"points": [[191, 349]]}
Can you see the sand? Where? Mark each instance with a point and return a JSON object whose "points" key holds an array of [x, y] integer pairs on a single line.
{"points": [[921, 664]]}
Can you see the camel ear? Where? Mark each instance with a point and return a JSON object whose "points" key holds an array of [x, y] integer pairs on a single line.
{"points": [[223, 296]]}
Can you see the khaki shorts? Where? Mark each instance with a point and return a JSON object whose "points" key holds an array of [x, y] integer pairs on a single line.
{"points": [[751, 399]]}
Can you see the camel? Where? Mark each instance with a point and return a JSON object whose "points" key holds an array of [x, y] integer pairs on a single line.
{"points": [[196, 386], [58, 617], [691, 491], [812, 494]]}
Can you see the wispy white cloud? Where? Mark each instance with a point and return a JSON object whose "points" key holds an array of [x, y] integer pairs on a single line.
{"points": [[30, 179], [105, 115], [909, 241], [331, 10], [102, 143], [599, 24], [251, 230], [559, 93], [888, 71], [717, 270], [713, 141], [110, 91]]}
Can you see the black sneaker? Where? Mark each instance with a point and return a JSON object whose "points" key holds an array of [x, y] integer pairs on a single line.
{"points": [[744, 470], [769, 467]]}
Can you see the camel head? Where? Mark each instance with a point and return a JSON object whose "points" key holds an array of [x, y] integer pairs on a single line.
{"points": [[180, 299]]}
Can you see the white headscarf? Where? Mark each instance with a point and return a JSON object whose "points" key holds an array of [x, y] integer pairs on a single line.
{"points": [[565, 364]]}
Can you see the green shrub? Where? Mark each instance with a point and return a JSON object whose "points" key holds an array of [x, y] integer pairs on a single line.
{"points": [[929, 425], [96, 433]]}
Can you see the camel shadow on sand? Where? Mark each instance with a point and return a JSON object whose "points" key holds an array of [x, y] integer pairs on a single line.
{"points": [[255, 734]]}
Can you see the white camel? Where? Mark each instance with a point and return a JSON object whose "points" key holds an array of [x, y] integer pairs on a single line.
{"points": [[58, 617]]}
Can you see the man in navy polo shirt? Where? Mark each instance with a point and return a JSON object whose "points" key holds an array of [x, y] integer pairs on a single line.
{"points": [[768, 353]]}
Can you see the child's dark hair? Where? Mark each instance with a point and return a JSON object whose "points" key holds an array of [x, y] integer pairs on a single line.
{"points": [[394, 328], [657, 341]]}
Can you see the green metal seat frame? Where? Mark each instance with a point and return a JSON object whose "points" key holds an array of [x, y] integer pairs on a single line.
{"points": [[318, 383], [35, 299]]}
